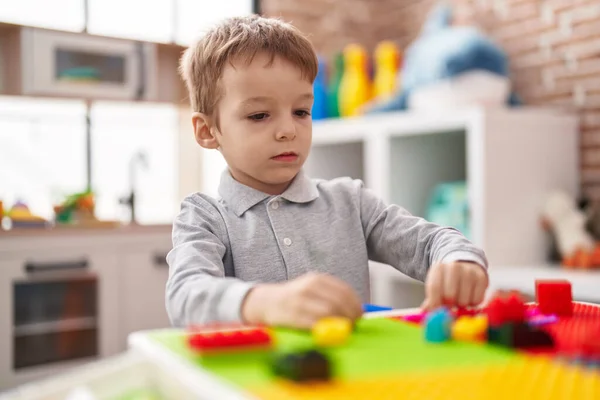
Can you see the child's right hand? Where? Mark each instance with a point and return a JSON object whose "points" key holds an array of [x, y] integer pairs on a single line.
{"points": [[301, 302]]}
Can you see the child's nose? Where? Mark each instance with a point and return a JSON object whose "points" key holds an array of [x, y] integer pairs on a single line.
{"points": [[286, 131]]}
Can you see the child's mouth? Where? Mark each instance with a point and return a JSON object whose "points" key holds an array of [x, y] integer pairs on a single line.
{"points": [[286, 157]]}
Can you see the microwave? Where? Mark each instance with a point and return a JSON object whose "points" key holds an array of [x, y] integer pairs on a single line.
{"points": [[57, 63]]}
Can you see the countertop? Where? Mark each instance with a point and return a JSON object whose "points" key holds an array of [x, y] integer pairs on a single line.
{"points": [[85, 230]]}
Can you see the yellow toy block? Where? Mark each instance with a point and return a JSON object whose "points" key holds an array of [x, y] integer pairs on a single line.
{"points": [[469, 328], [331, 331]]}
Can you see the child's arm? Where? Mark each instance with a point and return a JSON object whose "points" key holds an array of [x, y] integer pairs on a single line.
{"points": [[455, 270], [198, 291]]}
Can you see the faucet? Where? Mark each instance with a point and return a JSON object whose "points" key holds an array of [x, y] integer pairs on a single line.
{"points": [[141, 159]]}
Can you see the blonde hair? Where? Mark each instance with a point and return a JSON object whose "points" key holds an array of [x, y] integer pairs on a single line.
{"points": [[242, 38]]}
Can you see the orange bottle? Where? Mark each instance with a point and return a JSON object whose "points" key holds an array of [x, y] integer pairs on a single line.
{"points": [[386, 69]]}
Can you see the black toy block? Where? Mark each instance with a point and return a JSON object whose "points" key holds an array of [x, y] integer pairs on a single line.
{"points": [[310, 365]]}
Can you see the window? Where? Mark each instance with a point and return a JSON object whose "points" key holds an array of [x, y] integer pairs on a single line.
{"points": [[134, 19], [195, 16], [42, 152], [142, 137], [65, 15]]}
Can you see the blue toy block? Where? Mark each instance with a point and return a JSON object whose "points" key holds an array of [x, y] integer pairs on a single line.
{"points": [[437, 325], [372, 307]]}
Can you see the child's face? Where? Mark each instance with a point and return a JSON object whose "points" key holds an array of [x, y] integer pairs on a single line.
{"points": [[265, 124]]}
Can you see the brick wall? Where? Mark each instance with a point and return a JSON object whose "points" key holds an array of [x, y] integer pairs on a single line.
{"points": [[554, 47]]}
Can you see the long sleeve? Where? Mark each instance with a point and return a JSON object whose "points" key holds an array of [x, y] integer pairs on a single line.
{"points": [[197, 290], [409, 243]]}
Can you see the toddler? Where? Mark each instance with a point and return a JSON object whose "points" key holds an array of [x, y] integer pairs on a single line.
{"points": [[278, 247]]}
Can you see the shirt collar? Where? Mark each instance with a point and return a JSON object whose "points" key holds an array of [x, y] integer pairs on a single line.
{"points": [[241, 197]]}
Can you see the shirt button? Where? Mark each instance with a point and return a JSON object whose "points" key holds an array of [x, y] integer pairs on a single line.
{"points": [[287, 241], [275, 205]]}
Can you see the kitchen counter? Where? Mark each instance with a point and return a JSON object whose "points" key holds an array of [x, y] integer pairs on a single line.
{"points": [[87, 230], [64, 238]]}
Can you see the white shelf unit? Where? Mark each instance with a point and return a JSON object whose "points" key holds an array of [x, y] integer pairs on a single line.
{"points": [[510, 158]]}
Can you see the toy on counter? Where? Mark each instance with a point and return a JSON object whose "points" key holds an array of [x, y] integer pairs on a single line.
{"points": [[351, 80], [387, 58], [449, 66], [319, 109], [78, 210], [355, 87], [576, 246], [333, 105], [19, 216]]}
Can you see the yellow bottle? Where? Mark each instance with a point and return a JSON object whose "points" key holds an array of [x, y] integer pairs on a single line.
{"points": [[355, 87], [386, 69]]}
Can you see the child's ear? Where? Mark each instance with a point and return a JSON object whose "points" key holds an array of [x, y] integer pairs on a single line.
{"points": [[205, 136]]}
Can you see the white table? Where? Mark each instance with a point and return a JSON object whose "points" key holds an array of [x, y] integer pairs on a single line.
{"points": [[390, 287], [209, 386]]}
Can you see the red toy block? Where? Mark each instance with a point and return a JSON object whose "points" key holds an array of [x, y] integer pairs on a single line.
{"points": [[463, 311], [506, 308], [215, 342], [554, 297]]}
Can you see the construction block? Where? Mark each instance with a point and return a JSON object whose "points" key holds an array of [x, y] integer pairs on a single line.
{"points": [[541, 320], [416, 318], [332, 331], [519, 335], [506, 308], [554, 297], [310, 365], [437, 325], [373, 308], [468, 328], [463, 311], [228, 341]]}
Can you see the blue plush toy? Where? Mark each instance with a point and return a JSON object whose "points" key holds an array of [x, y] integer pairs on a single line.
{"points": [[443, 53]]}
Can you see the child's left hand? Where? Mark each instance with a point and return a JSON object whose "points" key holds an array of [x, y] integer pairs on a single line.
{"points": [[458, 283]]}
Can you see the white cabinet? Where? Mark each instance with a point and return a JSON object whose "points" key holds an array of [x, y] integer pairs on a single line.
{"points": [[59, 308], [67, 15], [510, 160], [143, 279], [71, 297]]}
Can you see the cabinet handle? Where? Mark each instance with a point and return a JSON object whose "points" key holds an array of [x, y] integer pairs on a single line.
{"points": [[31, 267], [160, 260]]}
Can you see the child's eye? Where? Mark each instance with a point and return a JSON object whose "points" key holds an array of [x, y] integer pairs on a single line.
{"points": [[302, 113], [258, 117]]}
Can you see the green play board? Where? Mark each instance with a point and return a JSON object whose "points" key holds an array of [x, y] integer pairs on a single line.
{"points": [[378, 346]]}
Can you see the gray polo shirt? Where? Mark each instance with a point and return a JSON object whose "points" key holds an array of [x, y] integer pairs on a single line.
{"points": [[222, 247]]}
